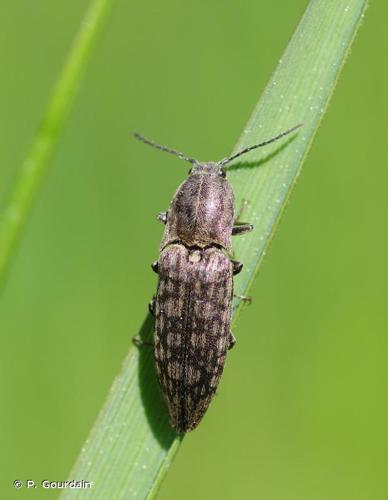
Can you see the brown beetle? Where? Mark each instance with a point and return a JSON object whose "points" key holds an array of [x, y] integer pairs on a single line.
{"points": [[193, 303]]}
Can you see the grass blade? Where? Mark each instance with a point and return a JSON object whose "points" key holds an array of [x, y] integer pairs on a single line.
{"points": [[30, 176], [131, 445]]}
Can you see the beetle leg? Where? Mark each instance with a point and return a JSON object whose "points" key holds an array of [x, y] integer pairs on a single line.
{"points": [[162, 217], [232, 340], [237, 266], [241, 228], [244, 298], [138, 342], [151, 306]]}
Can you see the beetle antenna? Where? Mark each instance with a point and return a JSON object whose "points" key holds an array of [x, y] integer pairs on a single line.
{"points": [[163, 148], [268, 141]]}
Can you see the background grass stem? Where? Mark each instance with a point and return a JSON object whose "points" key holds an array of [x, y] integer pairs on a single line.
{"points": [[28, 180]]}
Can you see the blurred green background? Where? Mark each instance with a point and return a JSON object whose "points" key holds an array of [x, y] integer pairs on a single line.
{"points": [[302, 409]]}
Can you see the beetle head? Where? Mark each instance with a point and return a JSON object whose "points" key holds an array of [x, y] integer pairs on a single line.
{"points": [[209, 168]]}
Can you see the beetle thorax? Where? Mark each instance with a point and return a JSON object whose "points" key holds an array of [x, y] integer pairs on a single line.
{"points": [[201, 212]]}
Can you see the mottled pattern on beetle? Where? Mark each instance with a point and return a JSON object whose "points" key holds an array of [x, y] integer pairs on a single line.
{"points": [[201, 212], [192, 325]]}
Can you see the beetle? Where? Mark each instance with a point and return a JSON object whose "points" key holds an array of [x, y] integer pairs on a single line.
{"points": [[193, 302]]}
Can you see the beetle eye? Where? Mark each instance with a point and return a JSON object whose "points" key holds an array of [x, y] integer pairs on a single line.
{"points": [[191, 169], [222, 173]]}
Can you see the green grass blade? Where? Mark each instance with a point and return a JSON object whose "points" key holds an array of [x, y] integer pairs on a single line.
{"points": [[15, 213], [131, 445]]}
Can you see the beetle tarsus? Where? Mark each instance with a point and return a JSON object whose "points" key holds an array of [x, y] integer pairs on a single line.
{"points": [[162, 217], [243, 298]]}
